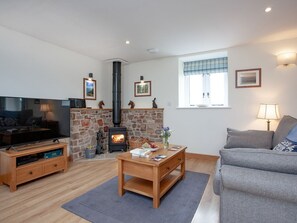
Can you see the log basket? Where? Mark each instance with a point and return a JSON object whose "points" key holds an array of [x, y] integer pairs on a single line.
{"points": [[135, 142]]}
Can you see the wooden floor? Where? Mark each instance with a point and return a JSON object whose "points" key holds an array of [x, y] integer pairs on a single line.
{"points": [[41, 200]]}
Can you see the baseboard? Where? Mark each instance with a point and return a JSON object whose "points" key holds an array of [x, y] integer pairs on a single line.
{"points": [[201, 156]]}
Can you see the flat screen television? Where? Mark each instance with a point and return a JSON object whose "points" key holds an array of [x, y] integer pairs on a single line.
{"points": [[30, 120]]}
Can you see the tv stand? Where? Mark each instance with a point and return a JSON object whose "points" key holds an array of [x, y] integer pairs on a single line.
{"points": [[17, 167]]}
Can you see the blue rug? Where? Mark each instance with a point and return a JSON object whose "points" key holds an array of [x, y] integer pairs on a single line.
{"points": [[103, 205]]}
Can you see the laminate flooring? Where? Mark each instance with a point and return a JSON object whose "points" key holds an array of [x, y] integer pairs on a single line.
{"points": [[40, 200]]}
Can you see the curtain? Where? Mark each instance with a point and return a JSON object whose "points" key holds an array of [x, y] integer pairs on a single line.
{"points": [[215, 65]]}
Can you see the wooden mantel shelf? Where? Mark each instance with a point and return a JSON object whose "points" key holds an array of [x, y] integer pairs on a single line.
{"points": [[143, 109], [79, 109], [121, 109]]}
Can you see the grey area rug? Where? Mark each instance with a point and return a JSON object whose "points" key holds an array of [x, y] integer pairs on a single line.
{"points": [[103, 205]]}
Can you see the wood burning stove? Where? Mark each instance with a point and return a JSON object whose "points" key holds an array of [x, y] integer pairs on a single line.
{"points": [[117, 139], [117, 136]]}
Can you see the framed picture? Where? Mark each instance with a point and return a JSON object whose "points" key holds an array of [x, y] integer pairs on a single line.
{"points": [[142, 89], [248, 78], [89, 89]]}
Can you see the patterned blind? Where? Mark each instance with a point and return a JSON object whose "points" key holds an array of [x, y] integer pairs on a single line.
{"points": [[216, 65]]}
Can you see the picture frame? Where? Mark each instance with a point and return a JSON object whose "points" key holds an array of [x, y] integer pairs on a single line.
{"points": [[248, 78], [89, 89], [142, 89]]}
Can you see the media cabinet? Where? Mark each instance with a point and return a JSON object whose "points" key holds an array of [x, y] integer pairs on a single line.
{"points": [[29, 163]]}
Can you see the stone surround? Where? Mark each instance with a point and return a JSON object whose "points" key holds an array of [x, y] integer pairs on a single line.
{"points": [[85, 123]]}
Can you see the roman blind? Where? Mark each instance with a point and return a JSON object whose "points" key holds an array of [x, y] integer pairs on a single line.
{"points": [[215, 65]]}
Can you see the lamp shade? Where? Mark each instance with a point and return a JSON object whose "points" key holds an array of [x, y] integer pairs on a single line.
{"points": [[44, 107], [286, 59], [268, 111]]}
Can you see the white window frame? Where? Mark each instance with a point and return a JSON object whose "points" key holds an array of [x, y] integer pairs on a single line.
{"points": [[184, 84]]}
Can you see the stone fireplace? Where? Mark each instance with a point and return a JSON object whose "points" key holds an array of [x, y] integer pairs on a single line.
{"points": [[85, 123], [116, 125]]}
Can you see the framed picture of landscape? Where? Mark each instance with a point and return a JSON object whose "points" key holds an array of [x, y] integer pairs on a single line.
{"points": [[89, 89], [142, 89], [248, 78]]}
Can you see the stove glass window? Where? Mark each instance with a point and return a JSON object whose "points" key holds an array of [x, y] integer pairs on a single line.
{"points": [[118, 138]]}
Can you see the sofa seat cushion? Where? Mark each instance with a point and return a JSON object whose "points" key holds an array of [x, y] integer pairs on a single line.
{"points": [[249, 139], [285, 125]]}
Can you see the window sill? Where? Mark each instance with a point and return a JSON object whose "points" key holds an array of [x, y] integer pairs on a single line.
{"points": [[205, 107]]}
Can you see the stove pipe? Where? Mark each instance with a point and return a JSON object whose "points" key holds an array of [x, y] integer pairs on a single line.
{"points": [[116, 94]]}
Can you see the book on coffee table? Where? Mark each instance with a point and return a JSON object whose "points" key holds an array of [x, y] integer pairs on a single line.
{"points": [[140, 152]]}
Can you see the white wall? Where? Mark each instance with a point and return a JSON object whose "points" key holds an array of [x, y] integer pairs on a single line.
{"points": [[204, 130], [33, 68]]}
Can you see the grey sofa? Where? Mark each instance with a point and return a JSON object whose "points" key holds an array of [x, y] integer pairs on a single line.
{"points": [[258, 184]]}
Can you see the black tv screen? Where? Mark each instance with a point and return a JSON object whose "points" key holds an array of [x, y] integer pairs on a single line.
{"points": [[31, 120]]}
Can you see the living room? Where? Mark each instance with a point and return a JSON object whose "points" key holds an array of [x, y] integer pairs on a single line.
{"points": [[44, 68]]}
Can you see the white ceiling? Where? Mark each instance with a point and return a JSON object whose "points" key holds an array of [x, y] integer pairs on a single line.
{"points": [[99, 28]]}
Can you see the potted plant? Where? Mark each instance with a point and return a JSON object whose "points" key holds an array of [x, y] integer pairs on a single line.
{"points": [[90, 152], [165, 134]]}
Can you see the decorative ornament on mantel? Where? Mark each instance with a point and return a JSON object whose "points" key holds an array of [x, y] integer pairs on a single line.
{"points": [[154, 103], [132, 104], [100, 104]]}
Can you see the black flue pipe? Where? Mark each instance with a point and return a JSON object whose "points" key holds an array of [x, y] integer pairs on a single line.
{"points": [[116, 93]]}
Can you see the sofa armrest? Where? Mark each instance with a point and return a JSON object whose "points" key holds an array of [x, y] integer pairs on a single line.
{"points": [[217, 185], [261, 159], [274, 185]]}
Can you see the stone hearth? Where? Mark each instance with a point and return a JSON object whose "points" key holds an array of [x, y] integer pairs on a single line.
{"points": [[85, 123]]}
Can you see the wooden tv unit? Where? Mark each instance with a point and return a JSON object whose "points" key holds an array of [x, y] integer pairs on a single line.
{"points": [[14, 172]]}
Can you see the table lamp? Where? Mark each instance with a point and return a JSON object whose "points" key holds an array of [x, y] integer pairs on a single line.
{"points": [[269, 112], [44, 108]]}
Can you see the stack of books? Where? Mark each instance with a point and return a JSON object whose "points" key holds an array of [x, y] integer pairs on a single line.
{"points": [[140, 152]]}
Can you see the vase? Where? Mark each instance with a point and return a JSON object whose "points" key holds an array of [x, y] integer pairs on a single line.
{"points": [[165, 143]]}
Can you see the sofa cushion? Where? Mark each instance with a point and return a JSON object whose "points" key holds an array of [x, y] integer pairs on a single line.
{"points": [[289, 144], [261, 159], [286, 146], [283, 128], [10, 122], [249, 139]]}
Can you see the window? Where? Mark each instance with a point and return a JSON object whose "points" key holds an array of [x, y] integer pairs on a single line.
{"points": [[203, 82]]}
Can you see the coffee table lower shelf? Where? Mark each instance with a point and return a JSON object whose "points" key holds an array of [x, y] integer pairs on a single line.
{"points": [[145, 187]]}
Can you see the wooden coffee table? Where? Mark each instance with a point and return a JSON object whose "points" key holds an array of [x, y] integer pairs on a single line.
{"points": [[151, 178]]}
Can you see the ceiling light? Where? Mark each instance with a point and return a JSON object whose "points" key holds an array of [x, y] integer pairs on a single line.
{"points": [[268, 9], [127, 42]]}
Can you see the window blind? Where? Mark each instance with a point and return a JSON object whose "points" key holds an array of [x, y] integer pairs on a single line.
{"points": [[215, 65]]}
